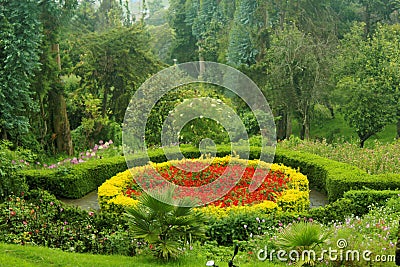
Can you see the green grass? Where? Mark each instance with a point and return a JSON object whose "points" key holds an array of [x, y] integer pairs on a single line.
{"points": [[338, 128], [27, 256]]}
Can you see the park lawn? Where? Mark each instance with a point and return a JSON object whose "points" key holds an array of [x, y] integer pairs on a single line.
{"points": [[29, 256], [332, 129]]}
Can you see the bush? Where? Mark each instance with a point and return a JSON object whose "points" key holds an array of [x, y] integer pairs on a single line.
{"points": [[76, 181], [167, 228], [10, 182], [38, 218], [363, 199], [335, 178], [335, 211]]}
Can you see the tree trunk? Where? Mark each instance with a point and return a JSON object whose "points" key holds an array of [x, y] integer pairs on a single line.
{"points": [[281, 125], [367, 20], [305, 126], [4, 134], [58, 113], [59, 122], [362, 141], [305, 131], [288, 125], [202, 66]]}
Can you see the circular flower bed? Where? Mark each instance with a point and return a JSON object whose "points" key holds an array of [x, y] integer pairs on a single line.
{"points": [[281, 188]]}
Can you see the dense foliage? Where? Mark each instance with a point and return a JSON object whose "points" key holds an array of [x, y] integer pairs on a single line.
{"points": [[83, 61], [69, 68]]}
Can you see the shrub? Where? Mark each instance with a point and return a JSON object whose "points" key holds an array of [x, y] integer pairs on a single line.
{"points": [[363, 199], [38, 218], [303, 236], [383, 158], [334, 177], [335, 211], [10, 183], [76, 181], [167, 228]]}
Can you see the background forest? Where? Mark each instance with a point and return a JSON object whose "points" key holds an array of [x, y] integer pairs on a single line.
{"points": [[69, 68]]}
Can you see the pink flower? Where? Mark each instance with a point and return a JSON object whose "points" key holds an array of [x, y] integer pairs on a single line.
{"points": [[110, 142], [101, 142]]}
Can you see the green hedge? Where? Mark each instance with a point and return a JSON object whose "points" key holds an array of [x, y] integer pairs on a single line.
{"points": [[331, 177], [335, 178], [76, 181], [362, 199]]}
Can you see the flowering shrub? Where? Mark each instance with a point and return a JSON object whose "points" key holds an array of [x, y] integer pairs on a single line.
{"points": [[276, 179], [98, 151], [38, 218]]}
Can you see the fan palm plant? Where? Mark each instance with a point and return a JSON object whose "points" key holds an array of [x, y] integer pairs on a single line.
{"points": [[167, 228], [303, 237]]}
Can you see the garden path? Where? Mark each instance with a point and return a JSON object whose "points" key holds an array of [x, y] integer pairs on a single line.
{"points": [[89, 202]]}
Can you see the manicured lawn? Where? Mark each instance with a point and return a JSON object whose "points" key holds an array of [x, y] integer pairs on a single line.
{"points": [[339, 128], [15, 255]]}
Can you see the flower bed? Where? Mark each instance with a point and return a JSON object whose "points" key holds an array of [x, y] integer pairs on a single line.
{"points": [[282, 188]]}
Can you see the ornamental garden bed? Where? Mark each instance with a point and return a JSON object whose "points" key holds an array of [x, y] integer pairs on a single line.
{"points": [[282, 188]]}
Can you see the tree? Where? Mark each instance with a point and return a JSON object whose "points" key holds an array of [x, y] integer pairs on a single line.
{"points": [[184, 47], [109, 15], [379, 11], [299, 71], [241, 49], [368, 78], [53, 119], [162, 39], [20, 38], [113, 65], [155, 6], [205, 28]]}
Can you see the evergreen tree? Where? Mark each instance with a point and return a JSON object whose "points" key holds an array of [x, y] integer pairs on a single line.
{"points": [[20, 36], [241, 49], [184, 48], [52, 125]]}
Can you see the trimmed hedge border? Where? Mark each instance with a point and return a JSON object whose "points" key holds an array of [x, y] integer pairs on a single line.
{"points": [[335, 178], [362, 199], [329, 176]]}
